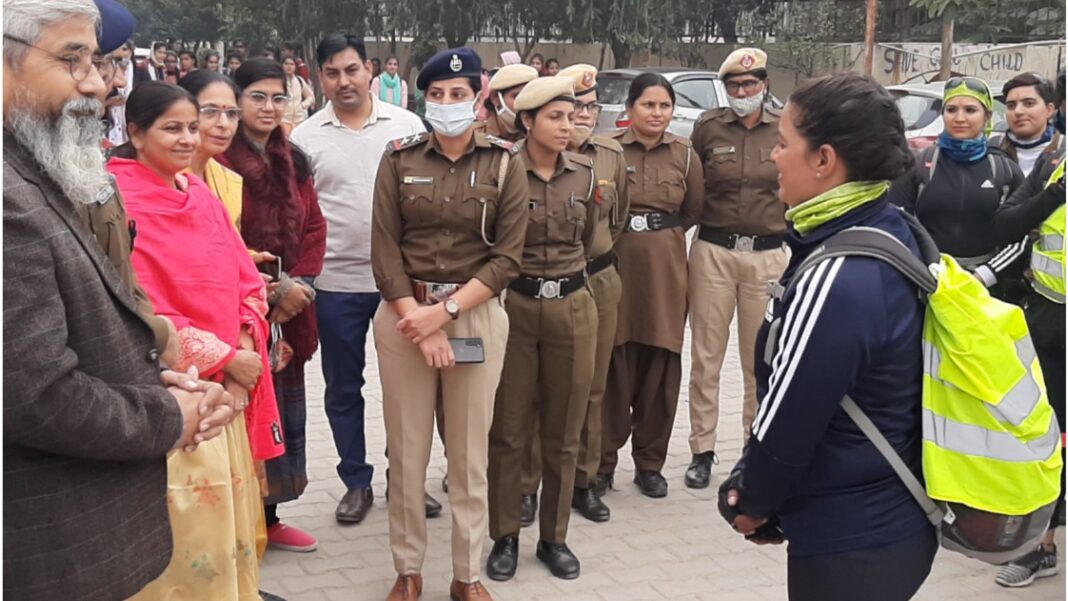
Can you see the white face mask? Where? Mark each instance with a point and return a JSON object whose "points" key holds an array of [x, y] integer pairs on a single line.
{"points": [[743, 107], [505, 115], [450, 120]]}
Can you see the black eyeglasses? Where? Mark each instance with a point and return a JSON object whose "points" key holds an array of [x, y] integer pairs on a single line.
{"points": [[587, 107], [749, 85], [79, 63]]}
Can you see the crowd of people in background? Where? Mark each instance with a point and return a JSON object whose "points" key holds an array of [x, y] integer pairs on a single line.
{"points": [[527, 280]]}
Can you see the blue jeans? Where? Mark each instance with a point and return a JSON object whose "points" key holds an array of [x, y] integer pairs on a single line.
{"points": [[344, 318]]}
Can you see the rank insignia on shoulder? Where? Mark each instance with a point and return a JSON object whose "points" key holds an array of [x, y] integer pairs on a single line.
{"points": [[502, 143], [407, 142]]}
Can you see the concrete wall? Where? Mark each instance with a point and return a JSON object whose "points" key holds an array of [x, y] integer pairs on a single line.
{"points": [[892, 65]]}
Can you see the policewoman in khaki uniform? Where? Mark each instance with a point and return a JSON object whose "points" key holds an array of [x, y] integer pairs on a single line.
{"points": [[449, 220], [739, 247], [610, 168], [504, 87], [549, 362], [665, 187]]}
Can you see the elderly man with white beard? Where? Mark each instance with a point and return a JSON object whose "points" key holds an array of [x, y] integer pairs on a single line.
{"points": [[87, 423]]}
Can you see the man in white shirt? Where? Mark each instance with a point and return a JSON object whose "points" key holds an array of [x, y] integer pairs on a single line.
{"points": [[1029, 106], [344, 143]]}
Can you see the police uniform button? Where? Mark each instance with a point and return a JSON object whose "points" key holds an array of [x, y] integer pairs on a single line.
{"points": [[452, 169], [447, 199], [441, 266], [153, 355]]}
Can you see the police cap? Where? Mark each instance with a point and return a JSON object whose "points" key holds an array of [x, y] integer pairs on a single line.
{"points": [[742, 61], [585, 77], [511, 76], [447, 64], [544, 90]]}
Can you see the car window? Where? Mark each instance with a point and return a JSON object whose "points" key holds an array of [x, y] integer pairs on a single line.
{"points": [[918, 111], [613, 90], [695, 94]]}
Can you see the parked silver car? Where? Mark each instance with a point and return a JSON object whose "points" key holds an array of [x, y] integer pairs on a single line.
{"points": [[696, 91], [921, 109]]}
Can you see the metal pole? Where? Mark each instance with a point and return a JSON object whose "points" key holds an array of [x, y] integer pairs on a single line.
{"points": [[869, 38]]}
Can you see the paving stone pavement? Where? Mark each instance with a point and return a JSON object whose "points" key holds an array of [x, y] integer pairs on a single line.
{"points": [[675, 548]]}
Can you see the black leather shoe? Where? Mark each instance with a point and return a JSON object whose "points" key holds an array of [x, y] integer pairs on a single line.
{"points": [[561, 561], [270, 597], [529, 511], [433, 508], [700, 470], [590, 505], [354, 506], [652, 484], [503, 558], [604, 484]]}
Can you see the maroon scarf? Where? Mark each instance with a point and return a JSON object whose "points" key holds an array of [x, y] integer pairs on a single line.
{"points": [[272, 218]]}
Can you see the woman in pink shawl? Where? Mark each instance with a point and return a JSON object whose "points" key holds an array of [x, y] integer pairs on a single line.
{"points": [[197, 272]]}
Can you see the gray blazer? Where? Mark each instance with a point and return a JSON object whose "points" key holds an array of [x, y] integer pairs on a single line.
{"points": [[87, 425]]}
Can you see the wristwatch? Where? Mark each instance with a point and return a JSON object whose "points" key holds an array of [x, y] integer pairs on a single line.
{"points": [[452, 308]]}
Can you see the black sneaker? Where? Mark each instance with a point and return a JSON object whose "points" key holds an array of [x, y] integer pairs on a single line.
{"points": [[1022, 572]]}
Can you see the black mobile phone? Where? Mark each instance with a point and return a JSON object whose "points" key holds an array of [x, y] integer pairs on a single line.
{"points": [[468, 350], [272, 268]]}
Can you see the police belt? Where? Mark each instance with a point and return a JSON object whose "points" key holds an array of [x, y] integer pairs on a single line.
{"points": [[652, 221], [431, 293], [536, 287], [600, 263], [738, 241]]}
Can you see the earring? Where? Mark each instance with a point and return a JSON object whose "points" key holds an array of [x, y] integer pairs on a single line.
{"points": [[818, 174]]}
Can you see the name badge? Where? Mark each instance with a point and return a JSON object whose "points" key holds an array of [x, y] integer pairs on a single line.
{"points": [[417, 179], [605, 182], [632, 169], [723, 150]]}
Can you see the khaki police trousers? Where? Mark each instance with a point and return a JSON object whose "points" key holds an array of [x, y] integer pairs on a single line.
{"points": [[548, 368], [607, 291], [722, 282], [640, 403], [410, 390]]}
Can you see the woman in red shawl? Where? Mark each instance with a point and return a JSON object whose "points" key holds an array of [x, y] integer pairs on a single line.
{"points": [[280, 215], [197, 272]]}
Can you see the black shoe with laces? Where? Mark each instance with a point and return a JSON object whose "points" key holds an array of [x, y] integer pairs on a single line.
{"points": [[503, 558], [604, 484], [1039, 563], [700, 471], [561, 561], [652, 484], [529, 511], [590, 505]]}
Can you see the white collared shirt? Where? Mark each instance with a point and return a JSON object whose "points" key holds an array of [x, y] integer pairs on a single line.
{"points": [[344, 163]]}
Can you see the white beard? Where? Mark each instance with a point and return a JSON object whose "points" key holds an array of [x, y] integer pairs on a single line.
{"points": [[68, 146]]}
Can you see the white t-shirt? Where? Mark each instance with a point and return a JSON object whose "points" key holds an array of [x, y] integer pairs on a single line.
{"points": [[344, 163]]}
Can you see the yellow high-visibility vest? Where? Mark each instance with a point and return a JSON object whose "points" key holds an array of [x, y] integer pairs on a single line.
{"points": [[1047, 255]]}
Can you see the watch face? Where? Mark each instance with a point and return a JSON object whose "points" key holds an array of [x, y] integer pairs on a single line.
{"points": [[452, 307]]}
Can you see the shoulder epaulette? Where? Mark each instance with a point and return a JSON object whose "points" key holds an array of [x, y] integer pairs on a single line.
{"points": [[712, 114], [579, 159], [773, 110], [609, 143], [407, 142], [511, 147]]}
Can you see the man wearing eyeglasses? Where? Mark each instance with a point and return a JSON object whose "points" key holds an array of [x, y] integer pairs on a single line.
{"points": [[84, 408], [739, 249]]}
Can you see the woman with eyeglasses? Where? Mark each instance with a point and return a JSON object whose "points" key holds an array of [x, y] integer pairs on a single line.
{"points": [[186, 240], [280, 215], [958, 184], [216, 95], [665, 185]]}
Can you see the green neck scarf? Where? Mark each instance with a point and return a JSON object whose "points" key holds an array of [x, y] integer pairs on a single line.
{"points": [[834, 203], [389, 88]]}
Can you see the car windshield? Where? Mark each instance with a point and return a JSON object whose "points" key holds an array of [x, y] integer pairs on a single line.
{"points": [[918, 111], [613, 90]]}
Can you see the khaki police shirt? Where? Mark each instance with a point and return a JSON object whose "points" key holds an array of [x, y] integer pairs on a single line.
{"points": [[562, 215], [492, 126], [610, 168], [111, 228], [427, 221], [664, 178], [741, 181]]}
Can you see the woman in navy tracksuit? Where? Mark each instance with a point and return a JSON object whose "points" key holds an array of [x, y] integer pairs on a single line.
{"points": [[851, 325]]}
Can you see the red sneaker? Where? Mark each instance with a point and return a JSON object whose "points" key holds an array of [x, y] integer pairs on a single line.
{"points": [[289, 538]]}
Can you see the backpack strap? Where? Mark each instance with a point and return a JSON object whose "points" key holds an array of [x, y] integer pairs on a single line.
{"points": [[861, 419], [876, 244], [929, 155]]}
